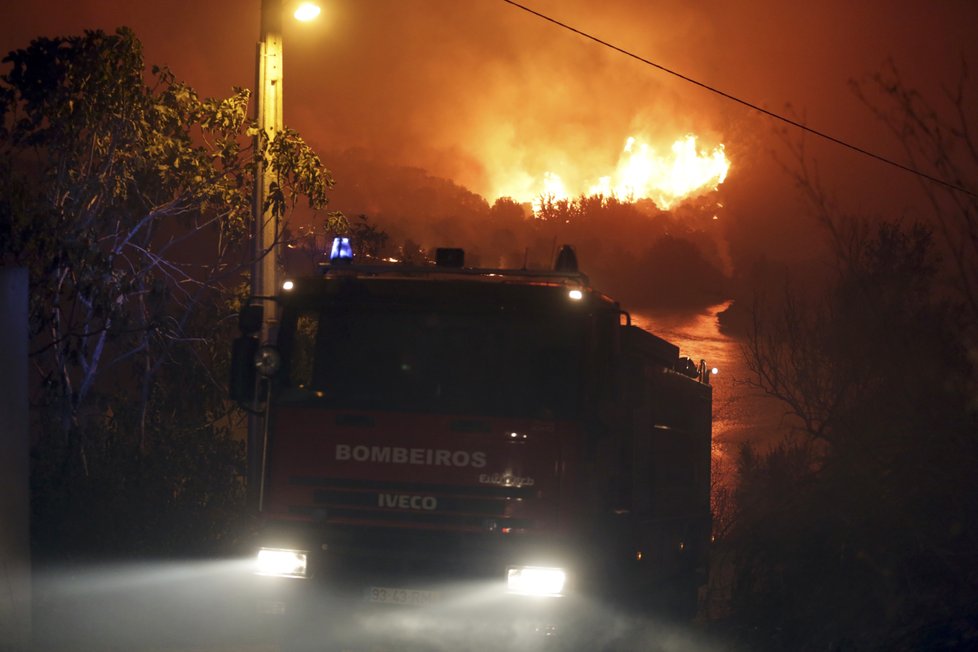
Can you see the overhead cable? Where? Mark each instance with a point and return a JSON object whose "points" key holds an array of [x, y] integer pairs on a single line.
{"points": [[751, 105]]}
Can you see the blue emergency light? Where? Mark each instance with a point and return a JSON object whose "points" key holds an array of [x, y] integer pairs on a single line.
{"points": [[341, 252]]}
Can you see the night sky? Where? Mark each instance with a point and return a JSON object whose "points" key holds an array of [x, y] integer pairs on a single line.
{"points": [[483, 93]]}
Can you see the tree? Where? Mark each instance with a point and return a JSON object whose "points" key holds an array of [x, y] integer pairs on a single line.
{"points": [[677, 273], [368, 239], [128, 198], [940, 139], [850, 534]]}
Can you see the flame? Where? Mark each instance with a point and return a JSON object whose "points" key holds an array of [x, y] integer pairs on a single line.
{"points": [[642, 173], [553, 186]]}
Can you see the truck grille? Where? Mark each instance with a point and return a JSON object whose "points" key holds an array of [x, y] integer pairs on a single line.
{"points": [[479, 507]]}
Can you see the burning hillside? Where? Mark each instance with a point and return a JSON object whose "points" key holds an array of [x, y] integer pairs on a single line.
{"points": [[643, 171]]}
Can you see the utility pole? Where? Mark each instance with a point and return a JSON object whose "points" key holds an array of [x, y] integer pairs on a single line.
{"points": [[265, 268], [266, 275]]}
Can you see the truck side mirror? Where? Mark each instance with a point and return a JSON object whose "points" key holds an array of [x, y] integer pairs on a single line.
{"points": [[243, 378]]}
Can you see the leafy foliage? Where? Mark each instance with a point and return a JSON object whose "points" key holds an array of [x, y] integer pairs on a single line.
{"points": [[129, 200]]}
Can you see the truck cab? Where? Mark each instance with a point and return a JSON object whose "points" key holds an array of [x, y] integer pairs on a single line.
{"points": [[438, 435]]}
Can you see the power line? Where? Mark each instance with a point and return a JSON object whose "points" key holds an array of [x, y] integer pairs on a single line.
{"points": [[734, 98]]}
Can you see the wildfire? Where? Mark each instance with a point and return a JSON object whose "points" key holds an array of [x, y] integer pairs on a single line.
{"points": [[643, 173]]}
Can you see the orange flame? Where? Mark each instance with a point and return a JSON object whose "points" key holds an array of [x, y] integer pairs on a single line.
{"points": [[642, 173]]}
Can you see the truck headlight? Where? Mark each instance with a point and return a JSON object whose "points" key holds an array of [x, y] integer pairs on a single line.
{"points": [[536, 580], [281, 562]]}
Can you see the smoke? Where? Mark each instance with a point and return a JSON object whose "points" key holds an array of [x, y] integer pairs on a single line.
{"points": [[214, 605], [491, 97], [143, 606]]}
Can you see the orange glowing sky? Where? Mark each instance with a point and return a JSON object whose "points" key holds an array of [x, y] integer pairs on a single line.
{"points": [[494, 99]]}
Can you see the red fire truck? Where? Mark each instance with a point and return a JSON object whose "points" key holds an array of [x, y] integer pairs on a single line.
{"points": [[439, 435]]}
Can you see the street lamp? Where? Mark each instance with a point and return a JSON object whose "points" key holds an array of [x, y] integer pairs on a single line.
{"points": [[268, 99], [306, 11]]}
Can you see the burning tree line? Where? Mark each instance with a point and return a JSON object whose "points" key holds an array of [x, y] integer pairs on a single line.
{"points": [[130, 203]]}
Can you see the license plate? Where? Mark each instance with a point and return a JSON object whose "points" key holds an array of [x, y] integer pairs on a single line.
{"points": [[391, 595]]}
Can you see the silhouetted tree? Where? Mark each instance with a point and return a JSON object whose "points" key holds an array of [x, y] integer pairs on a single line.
{"points": [[675, 273], [507, 212], [851, 535], [130, 204], [940, 139]]}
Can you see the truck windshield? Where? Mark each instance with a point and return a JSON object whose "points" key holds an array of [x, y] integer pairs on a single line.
{"points": [[412, 359]]}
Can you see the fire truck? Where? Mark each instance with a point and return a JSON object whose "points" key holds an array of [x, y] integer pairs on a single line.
{"points": [[437, 435]]}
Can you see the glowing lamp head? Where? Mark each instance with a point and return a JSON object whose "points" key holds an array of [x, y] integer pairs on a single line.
{"points": [[575, 295], [288, 285], [307, 11], [342, 251]]}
